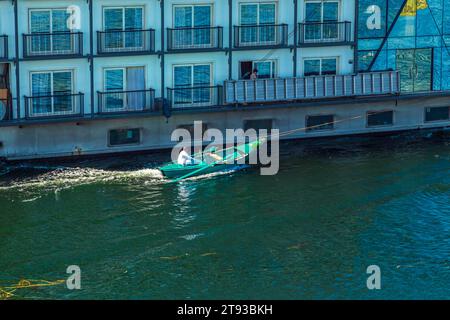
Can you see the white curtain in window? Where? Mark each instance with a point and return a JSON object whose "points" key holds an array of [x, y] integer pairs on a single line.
{"points": [[136, 82]]}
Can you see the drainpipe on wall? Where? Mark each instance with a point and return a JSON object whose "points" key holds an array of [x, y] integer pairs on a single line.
{"points": [[355, 38], [16, 58], [91, 55], [230, 39], [295, 36], [166, 108]]}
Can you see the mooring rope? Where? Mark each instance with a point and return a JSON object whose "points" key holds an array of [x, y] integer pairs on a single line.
{"points": [[8, 292], [289, 132]]}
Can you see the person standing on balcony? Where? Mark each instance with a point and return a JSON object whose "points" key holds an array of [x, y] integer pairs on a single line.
{"points": [[254, 74]]}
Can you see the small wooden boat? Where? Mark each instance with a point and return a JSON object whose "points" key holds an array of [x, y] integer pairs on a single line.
{"points": [[180, 172]]}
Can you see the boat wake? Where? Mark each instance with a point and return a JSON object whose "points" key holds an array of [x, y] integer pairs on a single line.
{"points": [[58, 178]]}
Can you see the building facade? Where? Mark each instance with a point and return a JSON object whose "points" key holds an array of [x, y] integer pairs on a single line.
{"points": [[102, 76]]}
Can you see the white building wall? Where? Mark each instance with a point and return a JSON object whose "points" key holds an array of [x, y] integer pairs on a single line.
{"points": [[150, 63], [344, 54], [7, 25], [24, 7], [152, 17], [218, 60], [285, 13], [283, 58], [91, 137], [346, 10], [81, 77]]}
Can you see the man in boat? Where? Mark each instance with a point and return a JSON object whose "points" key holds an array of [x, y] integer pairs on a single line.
{"points": [[185, 159]]}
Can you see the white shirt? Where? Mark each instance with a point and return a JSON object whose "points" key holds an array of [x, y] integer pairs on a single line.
{"points": [[183, 157]]}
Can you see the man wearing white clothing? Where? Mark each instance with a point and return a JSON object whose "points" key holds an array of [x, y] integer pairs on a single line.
{"points": [[185, 159]]}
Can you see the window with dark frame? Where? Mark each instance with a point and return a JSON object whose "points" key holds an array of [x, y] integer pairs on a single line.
{"points": [[259, 124], [320, 66], [437, 114], [320, 122], [377, 119], [191, 129], [119, 137], [266, 69]]}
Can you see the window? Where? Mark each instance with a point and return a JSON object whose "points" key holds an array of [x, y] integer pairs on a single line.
{"points": [[257, 14], [191, 129], [130, 19], [44, 22], [192, 84], [189, 17], [258, 124], [266, 69], [321, 18], [437, 114], [383, 118], [51, 92], [415, 69], [320, 66], [126, 87], [321, 122], [118, 137]]}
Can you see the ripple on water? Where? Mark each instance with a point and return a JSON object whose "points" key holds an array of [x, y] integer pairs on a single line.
{"points": [[309, 232]]}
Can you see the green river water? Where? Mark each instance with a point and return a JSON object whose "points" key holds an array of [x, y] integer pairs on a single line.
{"points": [[309, 232]]}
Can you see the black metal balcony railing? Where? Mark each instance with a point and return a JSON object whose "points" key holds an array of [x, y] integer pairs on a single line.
{"points": [[314, 87], [126, 41], [126, 101], [195, 97], [325, 32], [3, 47], [52, 44], [59, 104], [264, 35], [194, 38]]}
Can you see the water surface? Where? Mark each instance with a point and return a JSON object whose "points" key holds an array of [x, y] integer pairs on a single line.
{"points": [[310, 232]]}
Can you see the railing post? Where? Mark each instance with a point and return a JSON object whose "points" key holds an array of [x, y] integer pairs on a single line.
{"points": [[169, 38], [391, 87], [26, 100], [305, 83], [81, 98], [25, 45], [80, 43], [99, 42]]}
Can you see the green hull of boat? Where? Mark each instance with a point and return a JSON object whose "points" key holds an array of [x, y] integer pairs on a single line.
{"points": [[174, 171], [177, 171]]}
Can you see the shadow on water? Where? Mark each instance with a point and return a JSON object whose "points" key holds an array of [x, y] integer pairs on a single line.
{"points": [[335, 207]]}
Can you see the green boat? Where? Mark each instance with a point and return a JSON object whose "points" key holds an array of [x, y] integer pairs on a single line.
{"points": [[179, 172]]}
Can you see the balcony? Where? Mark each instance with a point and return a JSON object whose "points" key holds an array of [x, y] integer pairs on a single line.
{"points": [[195, 97], [3, 47], [324, 33], [311, 88], [125, 42], [194, 39], [62, 104], [126, 101], [52, 45], [261, 36]]}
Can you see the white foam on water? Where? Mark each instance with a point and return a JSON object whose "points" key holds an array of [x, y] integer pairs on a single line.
{"points": [[60, 178]]}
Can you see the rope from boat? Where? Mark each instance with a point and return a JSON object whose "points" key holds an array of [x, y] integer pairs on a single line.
{"points": [[289, 132], [8, 292]]}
